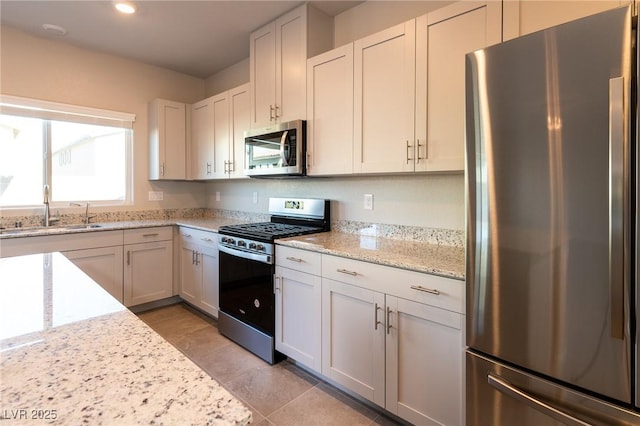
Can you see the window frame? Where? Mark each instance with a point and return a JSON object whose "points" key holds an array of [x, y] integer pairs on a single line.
{"points": [[53, 111]]}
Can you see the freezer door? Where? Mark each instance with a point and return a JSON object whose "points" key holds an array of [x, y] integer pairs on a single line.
{"points": [[548, 193], [501, 395]]}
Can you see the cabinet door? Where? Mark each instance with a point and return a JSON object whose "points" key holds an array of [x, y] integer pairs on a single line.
{"points": [[527, 16], [444, 37], [208, 263], [240, 121], [190, 273], [167, 140], [384, 93], [220, 134], [202, 139], [330, 112], [103, 265], [298, 313], [262, 72], [148, 273], [353, 338], [424, 359], [291, 63]]}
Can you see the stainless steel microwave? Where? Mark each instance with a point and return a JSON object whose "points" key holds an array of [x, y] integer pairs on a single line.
{"points": [[276, 150]]}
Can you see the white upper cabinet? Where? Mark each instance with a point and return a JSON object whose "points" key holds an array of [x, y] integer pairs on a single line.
{"points": [[202, 153], [384, 93], [167, 140], [239, 121], [527, 16], [221, 135], [278, 59], [217, 134], [330, 112], [443, 38]]}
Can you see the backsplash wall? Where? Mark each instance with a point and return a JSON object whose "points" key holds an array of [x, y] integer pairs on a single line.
{"points": [[434, 201]]}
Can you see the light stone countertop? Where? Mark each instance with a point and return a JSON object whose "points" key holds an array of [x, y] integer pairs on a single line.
{"points": [[71, 354], [206, 224], [446, 261]]}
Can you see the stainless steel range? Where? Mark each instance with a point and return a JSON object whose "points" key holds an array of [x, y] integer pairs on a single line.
{"points": [[247, 266]]}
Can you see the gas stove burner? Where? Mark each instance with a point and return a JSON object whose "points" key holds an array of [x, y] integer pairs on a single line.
{"points": [[268, 230]]}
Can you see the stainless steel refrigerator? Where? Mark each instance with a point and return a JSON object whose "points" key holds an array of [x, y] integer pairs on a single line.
{"points": [[552, 236]]}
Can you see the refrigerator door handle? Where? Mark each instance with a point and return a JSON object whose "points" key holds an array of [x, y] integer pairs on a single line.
{"points": [[616, 204], [512, 391]]}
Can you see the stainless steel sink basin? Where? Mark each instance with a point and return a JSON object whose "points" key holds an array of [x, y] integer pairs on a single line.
{"points": [[49, 229]]}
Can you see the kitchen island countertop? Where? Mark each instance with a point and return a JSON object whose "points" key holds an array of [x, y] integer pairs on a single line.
{"points": [[71, 354], [442, 260]]}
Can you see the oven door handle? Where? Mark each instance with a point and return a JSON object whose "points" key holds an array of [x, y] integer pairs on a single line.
{"points": [[264, 258]]}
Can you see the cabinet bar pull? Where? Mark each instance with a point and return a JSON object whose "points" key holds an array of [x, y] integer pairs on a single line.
{"points": [[426, 151], [375, 316], [389, 320], [408, 157], [276, 283], [294, 259], [150, 235], [426, 290], [128, 257], [207, 240], [346, 271], [187, 235], [193, 257], [197, 260], [271, 108]]}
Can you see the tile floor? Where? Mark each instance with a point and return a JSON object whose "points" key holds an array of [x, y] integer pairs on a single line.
{"points": [[282, 394]]}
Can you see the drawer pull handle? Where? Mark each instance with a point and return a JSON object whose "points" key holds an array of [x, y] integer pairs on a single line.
{"points": [[426, 290], [294, 259], [389, 311], [150, 235], [187, 235], [346, 271], [208, 240]]}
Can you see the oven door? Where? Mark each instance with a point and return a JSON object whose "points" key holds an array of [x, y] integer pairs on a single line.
{"points": [[246, 291]]}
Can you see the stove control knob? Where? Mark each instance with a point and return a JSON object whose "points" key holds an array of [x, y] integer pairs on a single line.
{"points": [[260, 247], [231, 241], [252, 246], [242, 243]]}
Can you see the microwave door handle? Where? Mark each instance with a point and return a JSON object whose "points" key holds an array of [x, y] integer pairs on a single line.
{"points": [[283, 141]]}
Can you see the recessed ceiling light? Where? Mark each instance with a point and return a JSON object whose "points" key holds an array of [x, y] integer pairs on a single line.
{"points": [[126, 7], [54, 29]]}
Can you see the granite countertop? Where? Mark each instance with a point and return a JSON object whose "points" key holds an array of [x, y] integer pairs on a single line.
{"points": [[207, 224], [71, 354], [446, 261]]}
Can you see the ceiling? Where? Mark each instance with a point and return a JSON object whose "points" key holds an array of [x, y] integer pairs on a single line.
{"points": [[198, 38]]}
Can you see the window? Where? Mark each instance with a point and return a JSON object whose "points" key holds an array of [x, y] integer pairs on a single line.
{"points": [[83, 154]]}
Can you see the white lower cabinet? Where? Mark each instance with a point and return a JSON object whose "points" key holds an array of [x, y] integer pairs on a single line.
{"points": [[104, 265], [199, 269], [394, 337], [148, 271], [298, 306]]}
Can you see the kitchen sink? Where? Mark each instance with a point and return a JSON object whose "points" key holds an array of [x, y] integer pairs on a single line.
{"points": [[48, 229]]}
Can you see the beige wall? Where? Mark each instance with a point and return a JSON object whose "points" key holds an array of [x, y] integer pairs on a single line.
{"points": [[230, 77], [46, 69]]}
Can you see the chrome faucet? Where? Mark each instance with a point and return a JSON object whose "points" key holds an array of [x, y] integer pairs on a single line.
{"points": [[48, 220], [86, 211]]}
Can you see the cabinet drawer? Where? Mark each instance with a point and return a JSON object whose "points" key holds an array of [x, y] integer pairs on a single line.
{"points": [[147, 235], [299, 260], [423, 288], [198, 236]]}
